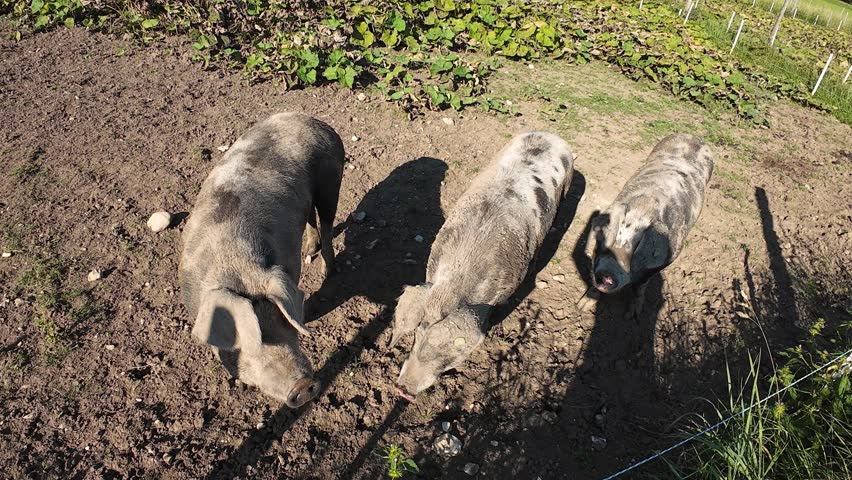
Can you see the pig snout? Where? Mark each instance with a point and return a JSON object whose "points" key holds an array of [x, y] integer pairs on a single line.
{"points": [[304, 390], [605, 281], [402, 392]]}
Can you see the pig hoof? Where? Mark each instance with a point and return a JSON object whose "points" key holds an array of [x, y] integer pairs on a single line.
{"points": [[587, 304]]}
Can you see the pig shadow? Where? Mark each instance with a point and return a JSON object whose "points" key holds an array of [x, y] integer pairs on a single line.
{"points": [[389, 248], [404, 205]]}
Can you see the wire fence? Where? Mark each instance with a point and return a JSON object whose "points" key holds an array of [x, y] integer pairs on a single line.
{"points": [[847, 356]]}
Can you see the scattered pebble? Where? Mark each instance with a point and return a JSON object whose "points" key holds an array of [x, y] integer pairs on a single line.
{"points": [[359, 217], [471, 468], [531, 66], [94, 275], [109, 347], [159, 221], [598, 442], [558, 278], [259, 425], [448, 121], [362, 96], [448, 445], [418, 238], [7, 254], [494, 443], [355, 138], [223, 148], [308, 259], [509, 103], [18, 302], [541, 284], [445, 426]]}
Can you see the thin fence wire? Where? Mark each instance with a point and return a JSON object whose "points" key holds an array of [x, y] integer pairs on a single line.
{"points": [[726, 420]]}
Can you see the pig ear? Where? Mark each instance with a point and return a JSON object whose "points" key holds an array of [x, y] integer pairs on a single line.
{"points": [[409, 311], [227, 321], [652, 253], [289, 299]]}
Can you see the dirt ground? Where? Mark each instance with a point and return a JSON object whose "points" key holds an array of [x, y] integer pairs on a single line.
{"points": [[102, 379]]}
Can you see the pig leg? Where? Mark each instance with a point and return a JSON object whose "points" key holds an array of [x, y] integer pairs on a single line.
{"points": [[312, 242], [589, 300], [326, 204], [637, 303]]}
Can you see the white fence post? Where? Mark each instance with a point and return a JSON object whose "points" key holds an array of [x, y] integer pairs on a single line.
{"points": [[816, 19], [733, 14], [847, 74], [772, 7], [824, 69], [753, 2], [689, 12], [739, 30], [640, 4], [778, 23]]}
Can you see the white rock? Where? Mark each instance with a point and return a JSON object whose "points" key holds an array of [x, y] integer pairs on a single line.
{"points": [[19, 301], [308, 259], [558, 278], [541, 284], [355, 138], [448, 445], [223, 148], [531, 66], [418, 238], [94, 275], [598, 442], [362, 96], [159, 221], [109, 347], [471, 468], [445, 426], [7, 254], [448, 121]]}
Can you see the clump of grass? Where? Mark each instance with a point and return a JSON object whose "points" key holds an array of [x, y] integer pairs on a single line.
{"points": [[805, 432], [26, 171], [397, 462], [43, 280]]}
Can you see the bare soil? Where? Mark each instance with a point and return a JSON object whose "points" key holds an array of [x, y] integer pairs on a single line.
{"points": [[102, 379]]}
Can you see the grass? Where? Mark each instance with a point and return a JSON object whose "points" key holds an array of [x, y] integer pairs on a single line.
{"points": [[44, 280]]}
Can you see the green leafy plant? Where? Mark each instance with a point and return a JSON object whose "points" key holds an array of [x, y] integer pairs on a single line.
{"points": [[398, 463]]}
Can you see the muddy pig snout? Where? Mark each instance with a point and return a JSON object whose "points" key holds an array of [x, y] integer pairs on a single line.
{"points": [[304, 390], [605, 281]]}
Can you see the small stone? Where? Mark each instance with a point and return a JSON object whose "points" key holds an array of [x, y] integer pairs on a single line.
{"points": [[109, 347], [223, 148], [355, 138], [558, 278], [259, 425], [541, 284], [7, 254], [548, 416], [531, 66], [471, 468], [359, 217], [308, 259], [418, 238], [362, 96], [598, 442], [495, 443], [18, 302], [509, 103], [445, 426], [448, 121], [94, 275], [448, 445], [159, 221]]}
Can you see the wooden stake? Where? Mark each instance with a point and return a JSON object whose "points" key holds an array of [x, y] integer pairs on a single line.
{"points": [[824, 69], [847, 74], [753, 2], [640, 4], [772, 7], [736, 39], [816, 19], [733, 14]]}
